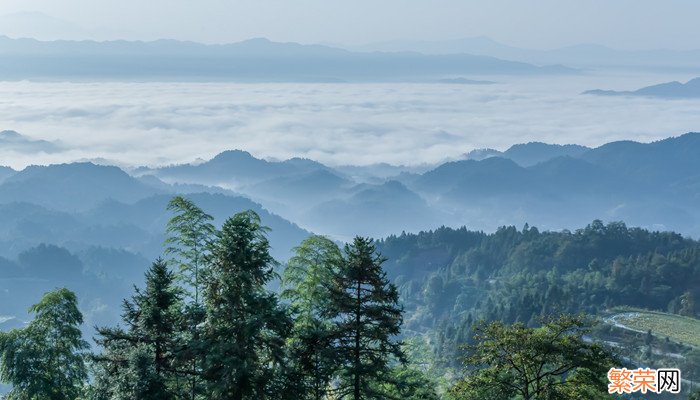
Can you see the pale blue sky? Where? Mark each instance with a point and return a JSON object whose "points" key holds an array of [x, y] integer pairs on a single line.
{"points": [[633, 24]]}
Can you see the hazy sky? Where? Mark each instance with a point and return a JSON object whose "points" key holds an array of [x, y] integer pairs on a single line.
{"points": [[634, 24]]}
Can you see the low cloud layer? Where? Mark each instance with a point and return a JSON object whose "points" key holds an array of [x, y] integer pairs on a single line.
{"points": [[164, 123]]}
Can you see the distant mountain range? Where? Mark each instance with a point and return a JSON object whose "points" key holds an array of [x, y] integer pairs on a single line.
{"points": [[535, 182], [671, 90], [580, 56], [97, 227], [529, 154], [251, 60], [652, 185]]}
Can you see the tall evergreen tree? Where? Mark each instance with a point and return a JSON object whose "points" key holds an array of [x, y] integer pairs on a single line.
{"points": [[306, 285], [142, 361], [365, 309], [46, 359], [189, 235], [245, 327]]}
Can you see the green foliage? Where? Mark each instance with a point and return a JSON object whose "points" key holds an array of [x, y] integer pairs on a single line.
{"points": [[312, 362], [46, 359], [695, 395], [407, 383], [367, 316], [216, 330], [308, 272], [143, 362], [449, 278], [676, 327], [245, 328], [550, 362], [189, 235]]}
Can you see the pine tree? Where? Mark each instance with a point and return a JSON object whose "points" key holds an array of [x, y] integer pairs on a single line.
{"points": [[46, 359], [364, 307], [245, 327], [306, 285], [141, 362]]}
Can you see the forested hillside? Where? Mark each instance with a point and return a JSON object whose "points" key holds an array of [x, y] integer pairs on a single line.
{"points": [[95, 229], [414, 317], [449, 279]]}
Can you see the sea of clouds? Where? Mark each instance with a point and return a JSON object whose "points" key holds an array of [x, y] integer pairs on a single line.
{"points": [[339, 124]]}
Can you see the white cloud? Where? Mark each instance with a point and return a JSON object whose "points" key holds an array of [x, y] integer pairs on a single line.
{"points": [[161, 123]]}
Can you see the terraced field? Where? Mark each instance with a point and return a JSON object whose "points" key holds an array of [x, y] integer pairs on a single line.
{"points": [[678, 328]]}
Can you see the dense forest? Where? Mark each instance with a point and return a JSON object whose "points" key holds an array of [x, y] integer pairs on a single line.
{"points": [[449, 279], [447, 314]]}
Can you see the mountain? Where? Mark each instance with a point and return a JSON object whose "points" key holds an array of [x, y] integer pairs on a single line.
{"points": [[658, 163], [489, 177], [150, 215], [330, 201], [6, 172], [378, 173], [235, 168], [13, 141], [306, 188], [251, 60], [481, 45], [72, 187], [96, 229], [529, 154], [81, 205], [373, 210], [649, 184], [670, 90], [580, 55]]}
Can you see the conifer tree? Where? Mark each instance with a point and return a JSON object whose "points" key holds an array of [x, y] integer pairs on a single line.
{"points": [[189, 235], [367, 316], [245, 327], [141, 362], [306, 282]]}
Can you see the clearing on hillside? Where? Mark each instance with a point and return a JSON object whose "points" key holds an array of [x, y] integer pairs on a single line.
{"points": [[681, 329]]}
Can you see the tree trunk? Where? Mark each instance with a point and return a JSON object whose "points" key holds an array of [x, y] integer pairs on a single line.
{"points": [[358, 326]]}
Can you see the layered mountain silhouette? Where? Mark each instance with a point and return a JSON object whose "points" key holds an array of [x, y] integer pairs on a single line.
{"points": [[72, 187], [97, 227], [671, 90], [649, 184], [580, 55], [530, 153], [251, 60]]}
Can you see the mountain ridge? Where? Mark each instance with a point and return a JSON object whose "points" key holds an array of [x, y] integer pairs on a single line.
{"points": [[669, 90], [252, 60]]}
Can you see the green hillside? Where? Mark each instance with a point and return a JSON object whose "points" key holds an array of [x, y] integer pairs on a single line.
{"points": [[676, 327]]}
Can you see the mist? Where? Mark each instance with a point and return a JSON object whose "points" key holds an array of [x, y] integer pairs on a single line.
{"points": [[337, 124]]}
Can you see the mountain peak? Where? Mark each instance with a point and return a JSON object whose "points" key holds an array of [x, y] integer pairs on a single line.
{"points": [[235, 154]]}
